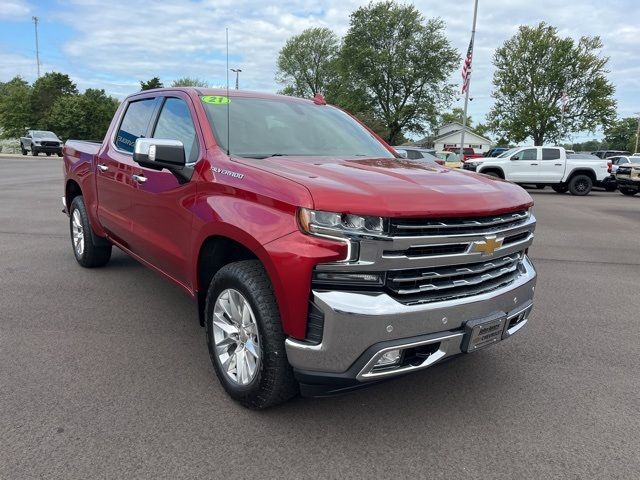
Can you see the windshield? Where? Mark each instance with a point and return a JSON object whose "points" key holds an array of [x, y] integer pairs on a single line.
{"points": [[262, 128], [43, 134], [508, 153]]}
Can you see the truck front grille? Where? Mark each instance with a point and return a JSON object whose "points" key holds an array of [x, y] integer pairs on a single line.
{"points": [[443, 283], [411, 227], [431, 260]]}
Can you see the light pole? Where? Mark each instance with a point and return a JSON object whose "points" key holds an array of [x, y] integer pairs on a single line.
{"points": [[635, 150], [35, 22], [237, 72]]}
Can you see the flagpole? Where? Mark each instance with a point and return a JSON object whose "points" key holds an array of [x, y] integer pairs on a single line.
{"points": [[466, 96]]}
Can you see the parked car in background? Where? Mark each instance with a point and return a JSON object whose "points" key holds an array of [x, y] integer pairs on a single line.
{"points": [[542, 166], [494, 152], [468, 152], [37, 141], [628, 178], [417, 153], [610, 153], [327, 266], [451, 159]]}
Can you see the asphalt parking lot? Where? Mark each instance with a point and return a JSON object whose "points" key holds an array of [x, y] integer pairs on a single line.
{"points": [[105, 373]]}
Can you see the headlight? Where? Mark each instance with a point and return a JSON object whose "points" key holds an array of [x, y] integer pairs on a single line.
{"points": [[36, 142], [472, 164], [339, 224]]}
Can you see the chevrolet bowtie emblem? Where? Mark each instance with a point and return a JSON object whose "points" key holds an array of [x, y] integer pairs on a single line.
{"points": [[487, 246]]}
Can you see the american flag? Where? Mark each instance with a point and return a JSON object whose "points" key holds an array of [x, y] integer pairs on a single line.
{"points": [[466, 68]]}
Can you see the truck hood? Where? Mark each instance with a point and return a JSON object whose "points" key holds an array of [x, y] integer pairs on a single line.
{"points": [[396, 187]]}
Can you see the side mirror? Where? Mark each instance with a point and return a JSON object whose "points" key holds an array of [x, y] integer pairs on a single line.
{"points": [[402, 153], [158, 153]]}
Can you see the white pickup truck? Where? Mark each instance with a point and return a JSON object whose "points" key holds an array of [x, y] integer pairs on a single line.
{"points": [[542, 166]]}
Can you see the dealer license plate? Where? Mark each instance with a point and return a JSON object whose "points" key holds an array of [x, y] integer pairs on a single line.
{"points": [[482, 333]]}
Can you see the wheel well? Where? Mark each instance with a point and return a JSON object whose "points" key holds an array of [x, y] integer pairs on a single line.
{"points": [[589, 173], [494, 170], [71, 191], [215, 253]]}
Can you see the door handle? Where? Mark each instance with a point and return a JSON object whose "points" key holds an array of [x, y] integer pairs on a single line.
{"points": [[139, 178], [533, 164], [558, 164], [103, 167]]}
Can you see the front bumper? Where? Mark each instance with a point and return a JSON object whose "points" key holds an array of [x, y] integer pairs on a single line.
{"points": [[47, 148], [627, 182], [359, 327]]}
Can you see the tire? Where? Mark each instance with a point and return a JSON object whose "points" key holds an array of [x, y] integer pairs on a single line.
{"points": [[492, 174], [59, 154], [580, 185], [540, 187], [560, 188], [48, 154], [34, 152], [628, 191], [87, 253], [22, 149], [272, 381], [610, 188]]}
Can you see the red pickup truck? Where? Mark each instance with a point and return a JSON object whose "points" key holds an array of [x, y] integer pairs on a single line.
{"points": [[468, 152], [320, 261]]}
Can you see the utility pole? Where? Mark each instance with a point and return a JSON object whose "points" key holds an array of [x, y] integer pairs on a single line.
{"points": [[237, 72], [468, 80], [35, 23], [635, 150]]}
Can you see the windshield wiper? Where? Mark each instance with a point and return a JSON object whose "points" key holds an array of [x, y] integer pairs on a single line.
{"points": [[261, 157]]}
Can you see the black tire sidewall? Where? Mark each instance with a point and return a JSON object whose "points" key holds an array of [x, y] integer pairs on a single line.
{"points": [[92, 255], [574, 182]]}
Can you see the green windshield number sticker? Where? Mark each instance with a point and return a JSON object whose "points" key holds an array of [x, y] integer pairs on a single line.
{"points": [[215, 99]]}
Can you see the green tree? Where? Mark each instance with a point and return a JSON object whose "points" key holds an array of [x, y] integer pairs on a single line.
{"points": [[189, 82], [46, 91], [306, 63], [482, 129], [396, 65], [85, 116], [455, 115], [621, 135], [151, 83], [534, 70], [15, 108]]}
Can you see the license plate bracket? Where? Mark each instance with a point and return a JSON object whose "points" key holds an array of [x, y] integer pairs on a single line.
{"points": [[483, 332]]}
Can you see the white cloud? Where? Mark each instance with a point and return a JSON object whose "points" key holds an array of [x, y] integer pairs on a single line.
{"points": [[14, 10]]}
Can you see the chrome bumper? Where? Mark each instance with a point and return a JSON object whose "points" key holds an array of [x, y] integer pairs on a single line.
{"points": [[355, 323]]}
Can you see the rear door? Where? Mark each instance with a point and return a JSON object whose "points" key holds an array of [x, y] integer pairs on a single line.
{"points": [[160, 209], [115, 167], [551, 168], [524, 166]]}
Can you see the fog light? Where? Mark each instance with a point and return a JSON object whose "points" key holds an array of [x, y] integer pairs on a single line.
{"points": [[391, 357]]}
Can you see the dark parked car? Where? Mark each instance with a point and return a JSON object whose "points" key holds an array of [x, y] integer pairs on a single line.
{"points": [[494, 152], [609, 153], [37, 141]]}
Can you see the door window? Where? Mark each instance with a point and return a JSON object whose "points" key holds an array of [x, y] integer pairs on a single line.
{"points": [[550, 154], [175, 123], [526, 154], [135, 123]]}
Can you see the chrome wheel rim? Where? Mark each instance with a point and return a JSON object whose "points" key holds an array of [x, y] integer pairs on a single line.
{"points": [[77, 233], [235, 337]]}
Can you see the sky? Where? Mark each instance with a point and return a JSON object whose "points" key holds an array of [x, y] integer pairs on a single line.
{"points": [[114, 44]]}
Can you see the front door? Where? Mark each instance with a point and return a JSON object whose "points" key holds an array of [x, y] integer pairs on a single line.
{"points": [[160, 208], [115, 168], [524, 166]]}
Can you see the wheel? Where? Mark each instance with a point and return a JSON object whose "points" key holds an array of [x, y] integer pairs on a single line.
{"points": [[560, 188], [610, 187], [59, 154], [628, 191], [48, 154], [580, 185], [540, 187], [22, 149], [245, 338], [34, 152], [87, 253]]}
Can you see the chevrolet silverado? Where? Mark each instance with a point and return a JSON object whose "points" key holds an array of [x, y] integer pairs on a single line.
{"points": [[319, 260]]}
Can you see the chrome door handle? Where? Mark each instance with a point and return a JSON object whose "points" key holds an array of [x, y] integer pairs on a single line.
{"points": [[103, 167], [139, 178]]}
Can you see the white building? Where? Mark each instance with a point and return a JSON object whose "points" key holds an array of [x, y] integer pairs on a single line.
{"points": [[449, 135]]}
